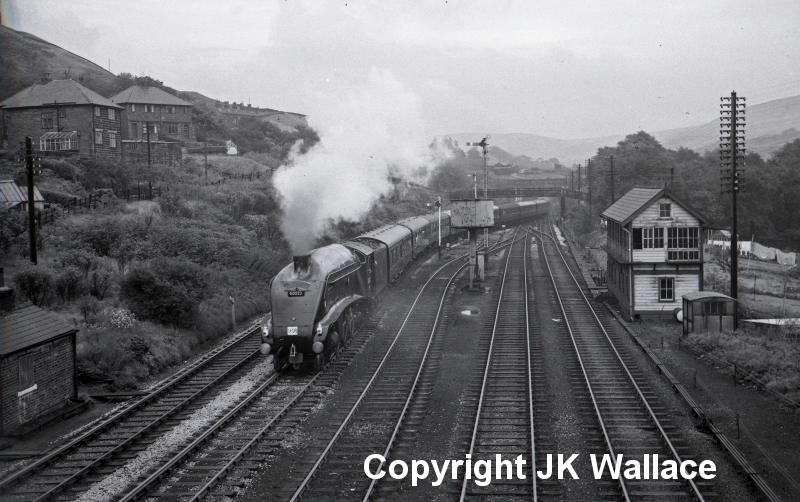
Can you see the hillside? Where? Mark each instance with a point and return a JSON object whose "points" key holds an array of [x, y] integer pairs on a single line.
{"points": [[25, 58], [770, 125]]}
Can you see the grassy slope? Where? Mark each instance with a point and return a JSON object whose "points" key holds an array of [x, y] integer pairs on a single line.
{"points": [[24, 59]]}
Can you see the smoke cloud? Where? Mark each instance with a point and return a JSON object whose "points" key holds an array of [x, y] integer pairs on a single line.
{"points": [[368, 133]]}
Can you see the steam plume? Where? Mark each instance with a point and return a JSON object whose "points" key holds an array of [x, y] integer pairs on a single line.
{"points": [[374, 131]]}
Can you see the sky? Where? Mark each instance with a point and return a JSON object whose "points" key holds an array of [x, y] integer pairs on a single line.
{"points": [[563, 69]]}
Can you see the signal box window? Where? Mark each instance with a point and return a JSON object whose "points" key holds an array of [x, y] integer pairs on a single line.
{"points": [[665, 210], [666, 289]]}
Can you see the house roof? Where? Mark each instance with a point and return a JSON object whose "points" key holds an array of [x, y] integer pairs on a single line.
{"points": [[148, 95], [637, 200], [12, 194], [56, 91], [29, 325]]}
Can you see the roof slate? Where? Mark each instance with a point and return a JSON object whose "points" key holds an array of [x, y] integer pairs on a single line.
{"points": [[12, 194], [29, 325], [148, 95], [56, 91], [629, 203]]}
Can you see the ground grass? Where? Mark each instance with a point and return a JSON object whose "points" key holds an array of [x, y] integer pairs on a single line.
{"points": [[771, 354]]}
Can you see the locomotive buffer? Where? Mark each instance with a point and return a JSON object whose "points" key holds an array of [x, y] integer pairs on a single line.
{"points": [[473, 215]]}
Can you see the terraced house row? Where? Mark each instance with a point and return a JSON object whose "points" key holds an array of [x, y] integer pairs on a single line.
{"points": [[66, 119]]}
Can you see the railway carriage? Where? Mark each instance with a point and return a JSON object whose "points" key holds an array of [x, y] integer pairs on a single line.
{"points": [[321, 299], [420, 233]]}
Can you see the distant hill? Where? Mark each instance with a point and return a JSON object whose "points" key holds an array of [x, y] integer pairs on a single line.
{"points": [[769, 126], [568, 151], [25, 58]]}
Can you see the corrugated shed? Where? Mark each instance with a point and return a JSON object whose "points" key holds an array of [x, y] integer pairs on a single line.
{"points": [[28, 326], [630, 203], [148, 95], [12, 194], [56, 92]]}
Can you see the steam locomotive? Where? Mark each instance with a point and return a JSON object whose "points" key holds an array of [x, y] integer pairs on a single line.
{"points": [[322, 298]]}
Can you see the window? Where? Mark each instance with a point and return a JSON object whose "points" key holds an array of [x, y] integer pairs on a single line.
{"points": [[652, 238], [666, 289], [134, 130], [62, 112], [133, 107], [665, 210], [683, 237], [47, 120], [27, 380], [171, 127], [56, 141], [170, 109], [98, 137], [186, 130], [149, 108], [713, 308], [111, 114], [96, 111], [112, 139], [185, 109]]}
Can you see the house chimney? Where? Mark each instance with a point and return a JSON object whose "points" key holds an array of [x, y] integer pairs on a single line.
{"points": [[46, 79], [6, 295]]}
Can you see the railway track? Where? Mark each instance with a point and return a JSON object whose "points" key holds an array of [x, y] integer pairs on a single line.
{"points": [[107, 444], [504, 423], [631, 420], [375, 416]]}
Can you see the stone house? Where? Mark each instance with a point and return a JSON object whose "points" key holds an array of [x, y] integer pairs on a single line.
{"points": [[63, 118], [168, 117], [655, 251]]}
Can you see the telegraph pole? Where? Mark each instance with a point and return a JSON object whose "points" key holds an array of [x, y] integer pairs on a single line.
{"points": [[589, 183], [579, 177], [731, 153], [31, 199], [613, 199]]}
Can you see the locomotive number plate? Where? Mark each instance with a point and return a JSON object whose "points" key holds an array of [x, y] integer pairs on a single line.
{"points": [[297, 293], [291, 330]]}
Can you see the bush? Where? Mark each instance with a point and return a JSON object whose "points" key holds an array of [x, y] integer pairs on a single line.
{"points": [[36, 283], [152, 298], [70, 283]]}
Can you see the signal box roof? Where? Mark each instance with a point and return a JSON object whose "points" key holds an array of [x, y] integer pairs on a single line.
{"points": [[630, 205]]}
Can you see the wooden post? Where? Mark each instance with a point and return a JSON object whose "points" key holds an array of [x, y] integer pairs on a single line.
{"points": [[233, 311]]}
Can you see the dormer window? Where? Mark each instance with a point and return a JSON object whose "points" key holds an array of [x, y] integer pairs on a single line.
{"points": [[665, 210]]}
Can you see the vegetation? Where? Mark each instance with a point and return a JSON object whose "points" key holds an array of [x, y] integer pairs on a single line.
{"points": [[773, 355]]}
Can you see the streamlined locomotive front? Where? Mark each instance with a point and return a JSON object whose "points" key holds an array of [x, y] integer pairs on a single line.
{"points": [[309, 299]]}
